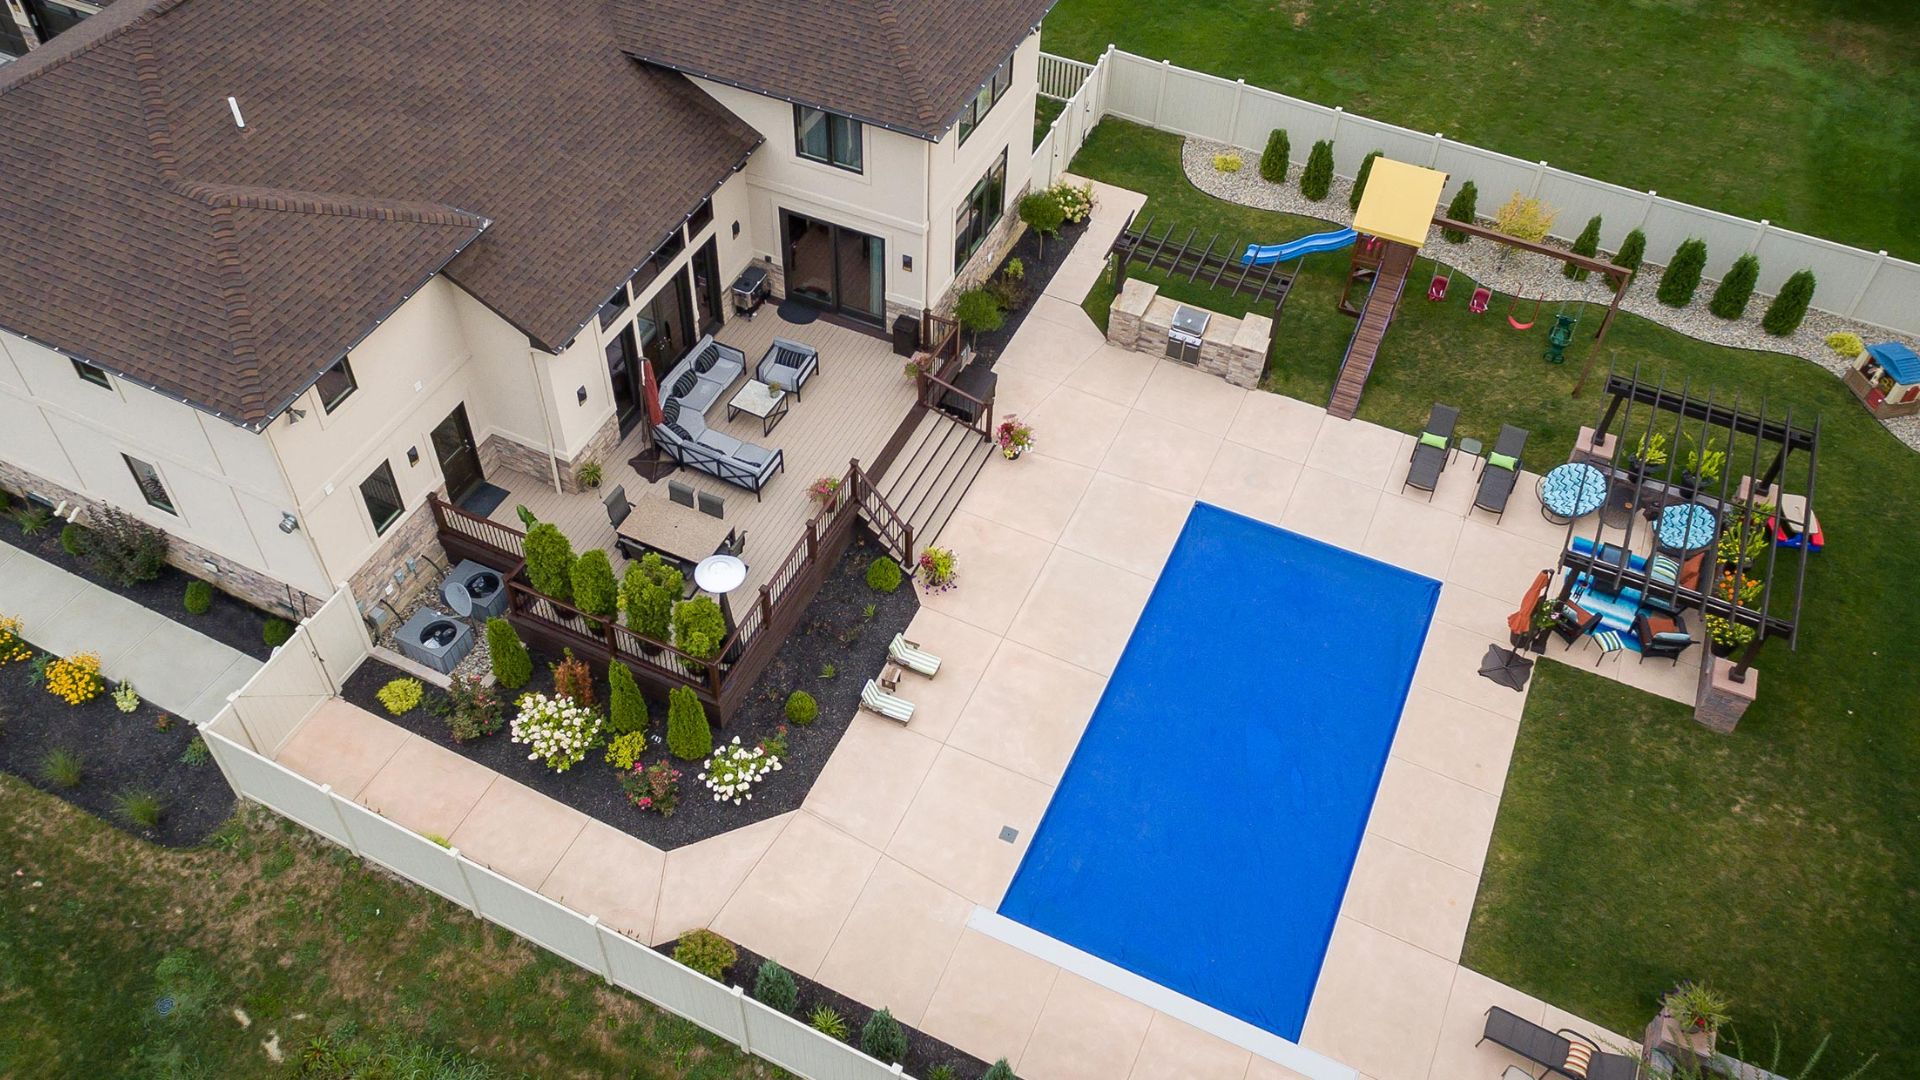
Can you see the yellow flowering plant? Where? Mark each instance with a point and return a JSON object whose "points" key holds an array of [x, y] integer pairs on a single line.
{"points": [[75, 679], [13, 647]]}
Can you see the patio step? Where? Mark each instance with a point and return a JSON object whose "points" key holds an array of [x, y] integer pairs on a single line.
{"points": [[929, 478]]}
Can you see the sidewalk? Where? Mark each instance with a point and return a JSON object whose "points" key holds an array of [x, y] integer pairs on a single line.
{"points": [[177, 668]]}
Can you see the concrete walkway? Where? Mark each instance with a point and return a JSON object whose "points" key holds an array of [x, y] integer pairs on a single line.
{"points": [[173, 666]]}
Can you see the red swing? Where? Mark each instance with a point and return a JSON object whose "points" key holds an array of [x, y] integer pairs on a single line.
{"points": [[1531, 316]]}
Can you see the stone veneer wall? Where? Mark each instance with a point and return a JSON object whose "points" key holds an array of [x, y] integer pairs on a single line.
{"points": [[499, 452], [414, 537], [1000, 240], [600, 448]]}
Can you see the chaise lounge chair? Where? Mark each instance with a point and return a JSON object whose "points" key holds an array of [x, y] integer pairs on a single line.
{"points": [[909, 654], [1565, 1052], [1431, 450], [1502, 471], [876, 700]]}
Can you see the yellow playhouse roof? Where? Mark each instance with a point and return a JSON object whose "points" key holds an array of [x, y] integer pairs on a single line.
{"points": [[1399, 201]]}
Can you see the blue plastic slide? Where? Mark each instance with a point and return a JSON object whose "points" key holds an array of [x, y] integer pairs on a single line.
{"points": [[1260, 255]]}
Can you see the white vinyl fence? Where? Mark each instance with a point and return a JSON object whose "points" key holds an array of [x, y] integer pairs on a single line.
{"points": [[1870, 287], [306, 672]]}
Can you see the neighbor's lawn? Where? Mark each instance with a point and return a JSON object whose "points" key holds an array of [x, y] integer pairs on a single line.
{"points": [[310, 943], [1802, 112], [1635, 848]]}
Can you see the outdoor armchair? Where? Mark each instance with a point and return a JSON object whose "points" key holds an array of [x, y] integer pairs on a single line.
{"points": [[1660, 637]]}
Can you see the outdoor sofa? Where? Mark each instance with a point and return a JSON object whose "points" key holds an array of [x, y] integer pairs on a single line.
{"points": [[1565, 1052], [1431, 450], [694, 385]]}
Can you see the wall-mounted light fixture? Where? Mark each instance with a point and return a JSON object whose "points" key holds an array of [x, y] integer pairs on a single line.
{"points": [[294, 416], [906, 263], [581, 394], [736, 228], [413, 455], [288, 523]]}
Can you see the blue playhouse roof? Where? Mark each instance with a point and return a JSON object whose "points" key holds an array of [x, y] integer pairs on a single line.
{"points": [[1898, 360]]}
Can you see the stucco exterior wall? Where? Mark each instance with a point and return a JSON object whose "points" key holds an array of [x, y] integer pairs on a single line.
{"points": [[958, 166]]}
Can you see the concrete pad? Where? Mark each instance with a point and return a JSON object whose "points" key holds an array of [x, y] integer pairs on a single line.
{"points": [[214, 697], [997, 566], [1020, 393], [1466, 1017], [965, 651], [952, 832], [1127, 523], [1331, 508], [1476, 611], [1113, 373], [1029, 712], [1435, 815], [1413, 897], [1554, 1018], [1251, 482], [1262, 1069], [989, 998], [343, 745], [1278, 425], [699, 879], [174, 665], [1075, 426], [1049, 349], [1450, 663], [1523, 519], [608, 873], [1086, 1032], [871, 779], [1412, 536], [896, 942], [1036, 495], [35, 591], [1459, 481], [1162, 453], [792, 904], [112, 627], [1456, 740], [1497, 562], [1356, 450], [1191, 397], [427, 788], [1054, 309], [517, 832], [1177, 1051], [1081, 610], [1379, 1003]]}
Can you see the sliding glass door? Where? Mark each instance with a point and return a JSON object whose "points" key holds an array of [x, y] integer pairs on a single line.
{"points": [[835, 268]]}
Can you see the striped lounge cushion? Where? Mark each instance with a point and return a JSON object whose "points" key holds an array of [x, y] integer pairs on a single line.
{"points": [[1579, 1056]]}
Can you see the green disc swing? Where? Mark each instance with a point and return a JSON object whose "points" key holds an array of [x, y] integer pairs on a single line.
{"points": [[1561, 335]]}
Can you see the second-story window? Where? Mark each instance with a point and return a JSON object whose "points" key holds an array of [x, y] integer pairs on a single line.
{"points": [[152, 488], [979, 212], [92, 374], [336, 385], [827, 137], [984, 101]]}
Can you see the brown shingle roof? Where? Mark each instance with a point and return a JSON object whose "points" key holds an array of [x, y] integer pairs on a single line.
{"points": [[146, 233], [909, 65]]}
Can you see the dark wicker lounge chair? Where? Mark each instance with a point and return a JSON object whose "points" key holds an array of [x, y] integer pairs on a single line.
{"points": [[1571, 622], [1496, 480], [1661, 637], [1429, 460], [1565, 1052]]}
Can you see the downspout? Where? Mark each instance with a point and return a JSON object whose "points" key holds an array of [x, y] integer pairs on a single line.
{"points": [[319, 561], [926, 228], [546, 418]]}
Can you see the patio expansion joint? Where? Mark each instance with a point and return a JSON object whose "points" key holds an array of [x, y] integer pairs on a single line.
{"points": [[744, 878], [864, 882]]}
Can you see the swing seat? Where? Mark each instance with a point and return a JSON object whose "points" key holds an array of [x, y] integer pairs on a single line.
{"points": [[1518, 325], [1477, 304], [1438, 290]]}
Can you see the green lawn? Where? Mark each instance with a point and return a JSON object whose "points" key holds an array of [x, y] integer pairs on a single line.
{"points": [[1635, 848], [1803, 112], [310, 943]]}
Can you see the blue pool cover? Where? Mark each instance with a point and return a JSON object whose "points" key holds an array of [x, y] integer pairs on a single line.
{"points": [[1203, 834]]}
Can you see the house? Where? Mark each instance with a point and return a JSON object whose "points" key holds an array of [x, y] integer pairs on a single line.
{"points": [[267, 285]]}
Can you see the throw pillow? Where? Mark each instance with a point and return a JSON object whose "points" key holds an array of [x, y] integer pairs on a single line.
{"points": [[670, 412], [708, 357], [684, 385], [1504, 461], [1664, 570], [680, 431], [1673, 637], [1690, 572], [1428, 438]]}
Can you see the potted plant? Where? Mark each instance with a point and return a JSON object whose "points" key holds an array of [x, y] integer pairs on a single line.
{"points": [[1693, 1013], [937, 569], [1702, 466], [1724, 635], [825, 493], [1539, 625], [590, 475], [1648, 454], [1014, 436]]}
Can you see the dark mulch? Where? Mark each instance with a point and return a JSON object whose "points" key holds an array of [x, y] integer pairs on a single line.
{"points": [[923, 1050], [833, 631], [987, 345], [119, 751], [230, 621]]}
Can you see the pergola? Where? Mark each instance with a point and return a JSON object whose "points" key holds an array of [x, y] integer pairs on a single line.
{"points": [[1219, 267]]}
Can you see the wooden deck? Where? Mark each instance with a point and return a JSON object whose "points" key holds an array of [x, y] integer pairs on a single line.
{"points": [[849, 410]]}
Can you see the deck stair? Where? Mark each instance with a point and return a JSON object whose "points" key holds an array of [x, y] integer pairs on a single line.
{"points": [[930, 476], [1382, 300]]}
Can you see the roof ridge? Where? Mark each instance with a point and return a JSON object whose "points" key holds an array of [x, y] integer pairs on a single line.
{"points": [[155, 110], [888, 21], [235, 300], [325, 204]]}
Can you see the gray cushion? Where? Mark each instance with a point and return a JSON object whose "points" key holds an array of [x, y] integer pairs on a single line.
{"points": [[1673, 638], [719, 441], [755, 456], [701, 395], [705, 361]]}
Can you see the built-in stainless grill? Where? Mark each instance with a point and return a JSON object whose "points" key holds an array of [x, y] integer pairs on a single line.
{"points": [[1185, 335]]}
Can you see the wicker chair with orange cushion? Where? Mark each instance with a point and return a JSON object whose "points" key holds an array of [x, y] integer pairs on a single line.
{"points": [[1661, 637]]}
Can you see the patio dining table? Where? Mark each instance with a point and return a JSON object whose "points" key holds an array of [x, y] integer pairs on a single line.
{"points": [[1573, 490], [680, 533], [1686, 526]]}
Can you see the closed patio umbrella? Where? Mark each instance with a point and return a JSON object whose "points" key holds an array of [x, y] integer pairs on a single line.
{"points": [[654, 415], [1521, 622]]}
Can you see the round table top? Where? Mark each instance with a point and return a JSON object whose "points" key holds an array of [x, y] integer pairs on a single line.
{"points": [[1687, 526], [719, 574], [1574, 489]]}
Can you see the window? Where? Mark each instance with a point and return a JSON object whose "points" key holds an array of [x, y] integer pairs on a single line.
{"points": [[827, 137], [92, 374], [615, 304], [382, 496], [336, 385], [147, 479], [979, 212], [702, 217], [985, 100]]}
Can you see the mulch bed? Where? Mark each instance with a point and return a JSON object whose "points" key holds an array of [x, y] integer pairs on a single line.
{"points": [[119, 752], [923, 1050], [230, 621], [987, 345], [834, 630]]}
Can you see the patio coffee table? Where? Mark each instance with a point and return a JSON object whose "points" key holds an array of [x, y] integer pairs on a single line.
{"points": [[1571, 491], [758, 399]]}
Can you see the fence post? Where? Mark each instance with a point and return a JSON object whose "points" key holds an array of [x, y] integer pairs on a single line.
{"points": [[1433, 154], [1646, 209], [473, 895], [1233, 118], [600, 942], [740, 1007], [1160, 98], [1867, 286], [1333, 134], [1759, 234], [353, 845], [1539, 173]]}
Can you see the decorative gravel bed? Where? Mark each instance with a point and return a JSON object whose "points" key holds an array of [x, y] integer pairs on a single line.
{"points": [[477, 662], [834, 631], [119, 752], [1509, 272]]}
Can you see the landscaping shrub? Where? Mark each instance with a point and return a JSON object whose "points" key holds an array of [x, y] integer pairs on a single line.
{"points": [[1633, 251], [1790, 307], [625, 751], [882, 1038], [828, 1023], [801, 708], [689, 738], [1731, 295], [1317, 178], [13, 647], [1461, 209], [550, 561], [978, 310], [126, 698], [198, 599], [33, 520], [401, 696], [655, 787], [1682, 276], [594, 591], [942, 1071], [1847, 345], [1524, 218], [732, 772], [276, 632], [196, 754], [557, 731], [699, 629], [626, 708], [73, 540], [1227, 163], [1273, 162], [124, 549], [1360, 179], [138, 807], [883, 574], [1042, 212], [648, 593], [1587, 243], [1076, 200], [511, 664], [706, 952], [75, 679], [62, 768], [471, 707], [573, 679], [773, 986], [1000, 1070]]}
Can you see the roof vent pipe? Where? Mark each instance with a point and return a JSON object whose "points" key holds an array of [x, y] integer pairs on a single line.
{"points": [[238, 121]]}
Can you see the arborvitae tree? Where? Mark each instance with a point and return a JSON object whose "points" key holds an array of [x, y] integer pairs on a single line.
{"points": [[1360, 179], [1784, 314], [1461, 210], [1273, 162], [626, 708], [689, 736], [550, 561], [511, 664], [773, 986], [1587, 243], [1317, 178], [1633, 250], [594, 590], [1731, 295], [1682, 276], [882, 1038]]}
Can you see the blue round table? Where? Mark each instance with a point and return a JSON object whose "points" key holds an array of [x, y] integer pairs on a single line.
{"points": [[1686, 526], [1573, 490]]}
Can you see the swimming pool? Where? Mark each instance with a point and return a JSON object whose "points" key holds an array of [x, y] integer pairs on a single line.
{"points": [[1204, 831]]}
